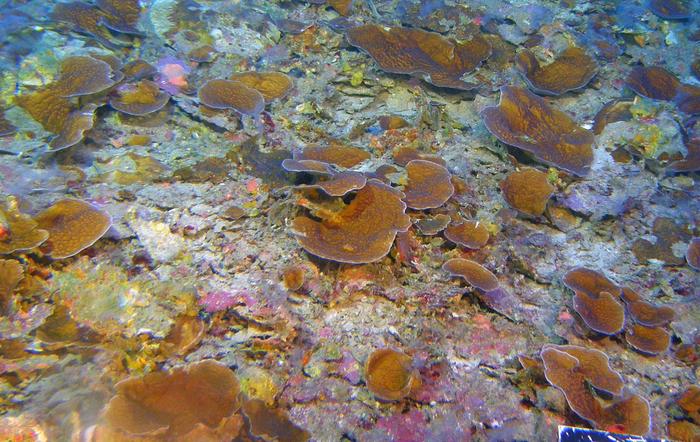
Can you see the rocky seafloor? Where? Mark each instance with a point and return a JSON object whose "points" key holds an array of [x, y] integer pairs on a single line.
{"points": [[356, 220]]}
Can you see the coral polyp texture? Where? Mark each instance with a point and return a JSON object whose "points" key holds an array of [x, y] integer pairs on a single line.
{"points": [[376, 220]]}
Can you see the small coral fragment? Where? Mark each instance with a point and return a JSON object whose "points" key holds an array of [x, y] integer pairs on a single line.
{"points": [[405, 155], [335, 153], [416, 52], [229, 94], [308, 166], [667, 233], [614, 111], [272, 85], [343, 7], [428, 186], [689, 401], [171, 405], [11, 273], [526, 121], [527, 191], [391, 122], [202, 54], [361, 232], [6, 128], [652, 340], [692, 255], [138, 70], [572, 70], [293, 277], [470, 234], [139, 99], [433, 225], [604, 313], [340, 183], [18, 232], [73, 226], [472, 272], [271, 424], [74, 127], [390, 375]]}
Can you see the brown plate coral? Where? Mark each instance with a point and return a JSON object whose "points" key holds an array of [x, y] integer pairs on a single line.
{"points": [[412, 51], [429, 185], [527, 190], [525, 121], [171, 405], [272, 85], [139, 99], [572, 70], [73, 226], [572, 369], [362, 232], [390, 375], [229, 94], [468, 234], [472, 272]]}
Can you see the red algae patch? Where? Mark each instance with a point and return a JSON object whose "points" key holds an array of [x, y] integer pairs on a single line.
{"points": [[572, 70], [604, 313], [139, 99], [692, 255], [73, 226], [652, 340], [18, 231], [527, 191], [229, 94], [412, 51], [572, 369], [272, 85], [429, 185], [362, 232], [389, 374], [472, 272], [469, 234], [524, 120], [335, 153], [271, 424], [175, 404]]}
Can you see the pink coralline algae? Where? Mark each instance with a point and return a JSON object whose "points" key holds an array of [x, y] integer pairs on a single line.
{"points": [[218, 300], [172, 75]]}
